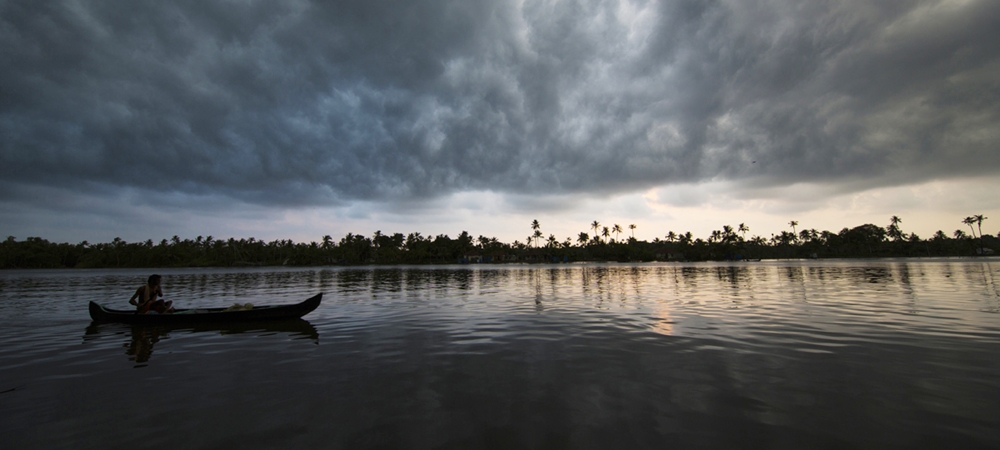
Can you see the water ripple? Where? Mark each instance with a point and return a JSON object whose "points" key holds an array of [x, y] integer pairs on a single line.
{"points": [[863, 354]]}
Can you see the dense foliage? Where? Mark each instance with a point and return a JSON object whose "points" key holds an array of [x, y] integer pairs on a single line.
{"points": [[862, 241]]}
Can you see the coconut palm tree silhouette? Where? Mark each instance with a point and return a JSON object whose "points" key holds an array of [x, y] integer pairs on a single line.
{"points": [[978, 218], [894, 231], [969, 221]]}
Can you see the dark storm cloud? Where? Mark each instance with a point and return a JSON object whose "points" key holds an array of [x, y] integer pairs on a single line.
{"points": [[298, 103]]}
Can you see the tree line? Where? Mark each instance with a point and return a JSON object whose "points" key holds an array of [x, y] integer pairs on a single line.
{"points": [[605, 244]]}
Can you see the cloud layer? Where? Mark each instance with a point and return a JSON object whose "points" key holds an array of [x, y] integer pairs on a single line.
{"points": [[300, 103]]}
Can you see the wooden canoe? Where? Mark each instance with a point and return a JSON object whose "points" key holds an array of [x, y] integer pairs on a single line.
{"points": [[206, 315]]}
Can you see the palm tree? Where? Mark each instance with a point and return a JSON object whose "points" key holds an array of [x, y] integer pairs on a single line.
{"points": [[617, 230], [969, 221], [537, 232], [597, 227], [671, 236], [632, 227], [979, 224], [743, 230], [727, 234], [605, 232], [894, 231], [793, 224], [582, 238]]}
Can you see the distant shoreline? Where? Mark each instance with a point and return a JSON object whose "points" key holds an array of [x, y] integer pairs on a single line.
{"points": [[863, 242], [468, 265]]}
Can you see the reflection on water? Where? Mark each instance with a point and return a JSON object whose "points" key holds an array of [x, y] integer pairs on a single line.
{"points": [[786, 354], [142, 338], [140, 346]]}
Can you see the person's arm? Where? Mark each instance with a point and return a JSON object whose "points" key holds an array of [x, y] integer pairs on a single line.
{"points": [[132, 301]]}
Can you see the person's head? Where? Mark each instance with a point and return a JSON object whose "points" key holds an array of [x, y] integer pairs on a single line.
{"points": [[154, 280]]}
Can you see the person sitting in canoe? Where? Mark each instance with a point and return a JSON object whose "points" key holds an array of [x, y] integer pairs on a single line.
{"points": [[145, 299]]}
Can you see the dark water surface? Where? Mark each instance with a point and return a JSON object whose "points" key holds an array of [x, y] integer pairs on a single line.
{"points": [[789, 354]]}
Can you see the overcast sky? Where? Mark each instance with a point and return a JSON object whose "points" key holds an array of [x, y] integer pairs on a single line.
{"points": [[296, 119]]}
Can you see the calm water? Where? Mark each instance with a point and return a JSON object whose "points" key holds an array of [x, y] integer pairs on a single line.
{"points": [[812, 354]]}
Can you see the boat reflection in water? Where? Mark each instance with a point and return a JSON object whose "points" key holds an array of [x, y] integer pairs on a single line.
{"points": [[142, 338]]}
